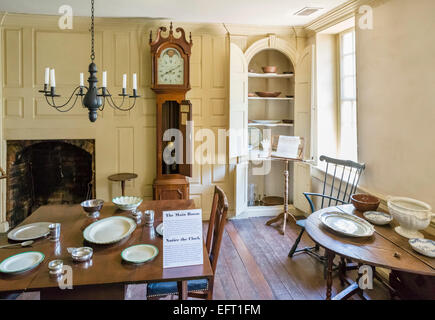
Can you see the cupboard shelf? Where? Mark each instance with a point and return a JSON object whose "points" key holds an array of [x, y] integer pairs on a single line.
{"points": [[253, 124], [276, 99], [270, 75]]}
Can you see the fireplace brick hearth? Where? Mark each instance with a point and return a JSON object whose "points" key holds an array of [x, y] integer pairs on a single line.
{"points": [[43, 172]]}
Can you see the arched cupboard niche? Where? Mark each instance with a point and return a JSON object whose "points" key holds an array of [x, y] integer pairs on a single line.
{"points": [[295, 105]]}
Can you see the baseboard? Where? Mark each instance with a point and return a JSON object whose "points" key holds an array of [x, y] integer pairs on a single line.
{"points": [[272, 211], [4, 226]]}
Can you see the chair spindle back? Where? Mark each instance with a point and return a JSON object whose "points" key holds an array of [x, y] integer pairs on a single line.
{"points": [[347, 173]]}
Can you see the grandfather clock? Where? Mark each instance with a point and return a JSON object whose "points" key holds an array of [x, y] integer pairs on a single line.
{"points": [[170, 81]]}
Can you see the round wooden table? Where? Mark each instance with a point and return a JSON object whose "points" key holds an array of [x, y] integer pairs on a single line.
{"points": [[122, 177], [384, 249]]}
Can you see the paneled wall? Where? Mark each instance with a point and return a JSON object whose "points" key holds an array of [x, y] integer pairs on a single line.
{"points": [[125, 141]]}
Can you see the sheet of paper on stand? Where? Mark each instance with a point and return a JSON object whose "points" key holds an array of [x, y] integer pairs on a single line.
{"points": [[182, 238], [288, 147]]}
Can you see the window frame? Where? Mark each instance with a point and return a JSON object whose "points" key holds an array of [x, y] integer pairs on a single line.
{"points": [[340, 98]]}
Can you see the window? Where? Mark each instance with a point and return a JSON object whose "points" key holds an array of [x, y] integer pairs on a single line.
{"points": [[347, 103]]}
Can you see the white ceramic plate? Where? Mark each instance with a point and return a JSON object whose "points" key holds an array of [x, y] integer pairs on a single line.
{"points": [[159, 229], [347, 224], [140, 253], [377, 217], [127, 203], [30, 231], [109, 230], [21, 262], [423, 246]]}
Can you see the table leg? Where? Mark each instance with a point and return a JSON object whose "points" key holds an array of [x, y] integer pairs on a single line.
{"points": [[123, 187], [330, 263], [182, 290]]}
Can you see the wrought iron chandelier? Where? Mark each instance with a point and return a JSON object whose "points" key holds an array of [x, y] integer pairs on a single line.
{"points": [[95, 97]]}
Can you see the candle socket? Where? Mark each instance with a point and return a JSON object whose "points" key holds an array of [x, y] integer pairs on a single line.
{"points": [[45, 89], [124, 93], [104, 92], [81, 94], [52, 92], [134, 94]]}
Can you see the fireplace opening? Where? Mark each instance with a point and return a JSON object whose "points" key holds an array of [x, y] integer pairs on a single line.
{"points": [[48, 172]]}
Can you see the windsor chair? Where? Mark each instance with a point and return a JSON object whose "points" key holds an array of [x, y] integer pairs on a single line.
{"points": [[344, 176]]}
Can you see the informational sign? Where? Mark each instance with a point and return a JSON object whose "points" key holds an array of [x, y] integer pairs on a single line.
{"points": [[182, 238]]}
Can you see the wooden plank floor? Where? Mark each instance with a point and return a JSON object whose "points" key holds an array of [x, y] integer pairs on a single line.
{"points": [[253, 264]]}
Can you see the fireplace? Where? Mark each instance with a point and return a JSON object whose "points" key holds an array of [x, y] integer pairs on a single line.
{"points": [[43, 172]]}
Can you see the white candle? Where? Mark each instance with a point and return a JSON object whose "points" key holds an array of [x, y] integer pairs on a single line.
{"points": [[82, 82], [47, 74], [104, 79], [52, 78], [134, 81], [124, 81]]}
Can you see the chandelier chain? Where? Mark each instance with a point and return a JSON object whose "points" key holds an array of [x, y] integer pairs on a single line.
{"points": [[95, 97], [92, 31]]}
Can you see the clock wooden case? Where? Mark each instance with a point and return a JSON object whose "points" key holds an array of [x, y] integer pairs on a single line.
{"points": [[170, 81]]}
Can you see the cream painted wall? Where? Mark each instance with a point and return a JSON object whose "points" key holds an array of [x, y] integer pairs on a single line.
{"points": [[395, 81], [124, 141], [396, 114]]}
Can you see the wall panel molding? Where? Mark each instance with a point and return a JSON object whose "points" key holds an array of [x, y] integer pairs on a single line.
{"points": [[14, 107], [124, 141], [13, 58]]}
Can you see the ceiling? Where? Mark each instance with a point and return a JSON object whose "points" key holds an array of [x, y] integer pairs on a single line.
{"points": [[253, 12]]}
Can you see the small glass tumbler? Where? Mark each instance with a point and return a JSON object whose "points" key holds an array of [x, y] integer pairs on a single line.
{"points": [[149, 217], [54, 231]]}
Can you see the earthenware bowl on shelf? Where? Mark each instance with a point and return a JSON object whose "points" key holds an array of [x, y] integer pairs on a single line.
{"points": [[92, 207], [365, 202], [269, 69], [411, 214], [127, 203], [267, 94]]}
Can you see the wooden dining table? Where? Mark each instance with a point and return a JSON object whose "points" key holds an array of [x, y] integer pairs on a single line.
{"points": [[106, 275], [385, 249]]}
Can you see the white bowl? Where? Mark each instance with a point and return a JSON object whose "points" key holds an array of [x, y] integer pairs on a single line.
{"points": [[412, 215], [423, 246], [127, 203], [378, 218]]}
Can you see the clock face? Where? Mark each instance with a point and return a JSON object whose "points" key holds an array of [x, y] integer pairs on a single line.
{"points": [[170, 66]]}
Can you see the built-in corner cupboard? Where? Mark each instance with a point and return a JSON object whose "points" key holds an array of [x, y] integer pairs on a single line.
{"points": [[254, 118]]}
